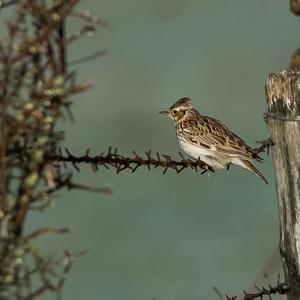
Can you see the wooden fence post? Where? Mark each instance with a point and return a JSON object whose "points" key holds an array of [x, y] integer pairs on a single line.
{"points": [[283, 118]]}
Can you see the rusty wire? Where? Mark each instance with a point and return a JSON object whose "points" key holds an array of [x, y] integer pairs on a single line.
{"points": [[281, 288], [112, 158], [120, 162]]}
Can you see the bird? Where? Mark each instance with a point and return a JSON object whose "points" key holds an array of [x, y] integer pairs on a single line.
{"points": [[208, 139]]}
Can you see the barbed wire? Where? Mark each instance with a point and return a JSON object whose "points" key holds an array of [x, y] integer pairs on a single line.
{"points": [[120, 162], [280, 288]]}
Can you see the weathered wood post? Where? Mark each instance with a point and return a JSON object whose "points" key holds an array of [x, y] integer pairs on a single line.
{"points": [[283, 118]]}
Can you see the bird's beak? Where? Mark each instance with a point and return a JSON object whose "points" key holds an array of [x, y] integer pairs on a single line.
{"points": [[164, 113]]}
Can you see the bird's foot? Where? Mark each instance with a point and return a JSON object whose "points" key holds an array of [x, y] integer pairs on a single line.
{"points": [[207, 168]]}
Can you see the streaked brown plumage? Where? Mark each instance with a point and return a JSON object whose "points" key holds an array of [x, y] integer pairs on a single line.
{"points": [[209, 139]]}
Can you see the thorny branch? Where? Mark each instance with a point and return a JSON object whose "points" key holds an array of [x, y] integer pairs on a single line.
{"points": [[35, 89]]}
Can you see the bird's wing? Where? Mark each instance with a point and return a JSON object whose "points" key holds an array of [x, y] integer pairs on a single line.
{"points": [[212, 134]]}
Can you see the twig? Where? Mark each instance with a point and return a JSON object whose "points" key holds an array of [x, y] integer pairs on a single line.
{"points": [[219, 294], [36, 293], [67, 182], [8, 3], [40, 231], [88, 58]]}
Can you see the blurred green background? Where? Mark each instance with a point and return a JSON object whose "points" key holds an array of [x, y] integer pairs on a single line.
{"points": [[171, 236]]}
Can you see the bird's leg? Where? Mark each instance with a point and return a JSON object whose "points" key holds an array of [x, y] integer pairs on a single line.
{"points": [[207, 168], [228, 166], [203, 165]]}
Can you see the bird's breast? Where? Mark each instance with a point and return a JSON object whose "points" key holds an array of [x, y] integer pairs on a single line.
{"points": [[194, 150], [209, 156]]}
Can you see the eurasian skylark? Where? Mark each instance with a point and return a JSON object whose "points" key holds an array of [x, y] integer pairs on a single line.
{"points": [[207, 139]]}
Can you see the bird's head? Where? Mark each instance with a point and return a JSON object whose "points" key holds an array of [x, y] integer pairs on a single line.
{"points": [[179, 110]]}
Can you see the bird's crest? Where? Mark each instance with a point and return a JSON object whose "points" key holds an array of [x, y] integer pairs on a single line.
{"points": [[182, 102]]}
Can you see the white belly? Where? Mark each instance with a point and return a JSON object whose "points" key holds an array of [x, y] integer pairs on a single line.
{"points": [[209, 156]]}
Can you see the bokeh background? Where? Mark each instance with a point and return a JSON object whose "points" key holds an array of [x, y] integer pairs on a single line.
{"points": [[172, 236]]}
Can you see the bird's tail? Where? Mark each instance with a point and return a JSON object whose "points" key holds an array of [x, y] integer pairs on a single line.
{"points": [[249, 166]]}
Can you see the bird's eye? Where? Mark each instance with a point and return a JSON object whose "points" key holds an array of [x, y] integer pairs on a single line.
{"points": [[174, 111]]}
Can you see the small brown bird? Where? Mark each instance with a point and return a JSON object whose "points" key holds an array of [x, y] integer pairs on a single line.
{"points": [[208, 139]]}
